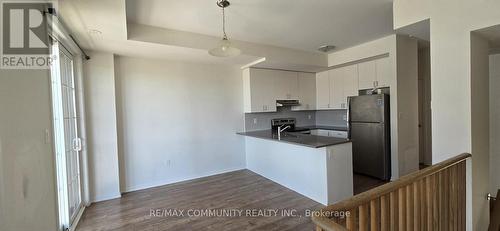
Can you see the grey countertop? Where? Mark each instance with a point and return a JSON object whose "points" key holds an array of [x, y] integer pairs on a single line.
{"points": [[307, 140]]}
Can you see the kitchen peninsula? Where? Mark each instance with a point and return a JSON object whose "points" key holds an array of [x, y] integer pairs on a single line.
{"points": [[316, 166]]}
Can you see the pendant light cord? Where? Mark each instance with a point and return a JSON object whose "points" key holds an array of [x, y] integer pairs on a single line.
{"points": [[224, 23]]}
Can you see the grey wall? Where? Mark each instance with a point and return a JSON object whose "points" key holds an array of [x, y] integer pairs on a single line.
{"points": [[262, 121], [332, 118], [176, 121], [27, 170], [494, 123], [102, 138]]}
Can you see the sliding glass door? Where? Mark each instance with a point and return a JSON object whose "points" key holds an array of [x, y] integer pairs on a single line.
{"points": [[66, 135]]}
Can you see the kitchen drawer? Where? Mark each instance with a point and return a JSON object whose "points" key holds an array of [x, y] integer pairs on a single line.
{"points": [[320, 132], [338, 134], [330, 133]]}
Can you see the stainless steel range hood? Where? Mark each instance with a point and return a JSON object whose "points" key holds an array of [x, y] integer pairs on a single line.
{"points": [[287, 102]]}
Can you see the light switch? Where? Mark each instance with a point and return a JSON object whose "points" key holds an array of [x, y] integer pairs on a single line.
{"points": [[47, 136], [254, 120]]}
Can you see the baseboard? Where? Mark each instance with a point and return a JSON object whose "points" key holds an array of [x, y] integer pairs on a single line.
{"points": [[167, 182], [106, 197]]}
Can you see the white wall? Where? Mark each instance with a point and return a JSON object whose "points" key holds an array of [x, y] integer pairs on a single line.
{"points": [[102, 146], [450, 37], [424, 78], [480, 129], [177, 121], [27, 163], [404, 153], [407, 101], [494, 123]]}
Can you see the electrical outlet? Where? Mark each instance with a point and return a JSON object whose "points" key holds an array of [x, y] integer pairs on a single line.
{"points": [[254, 120]]}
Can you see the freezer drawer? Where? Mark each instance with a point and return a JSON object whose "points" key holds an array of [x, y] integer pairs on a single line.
{"points": [[370, 147]]}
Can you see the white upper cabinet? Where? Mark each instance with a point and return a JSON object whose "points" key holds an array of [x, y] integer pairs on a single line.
{"points": [[285, 84], [322, 90], [344, 81], [336, 88], [306, 91], [375, 73], [258, 88], [262, 87], [350, 82], [383, 72], [367, 74]]}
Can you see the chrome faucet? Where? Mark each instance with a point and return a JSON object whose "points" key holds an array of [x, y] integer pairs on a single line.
{"points": [[280, 130]]}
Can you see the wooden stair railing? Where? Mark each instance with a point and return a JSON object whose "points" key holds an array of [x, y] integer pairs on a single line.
{"points": [[429, 199], [495, 214]]}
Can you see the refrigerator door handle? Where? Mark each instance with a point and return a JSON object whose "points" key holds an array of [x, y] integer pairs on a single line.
{"points": [[348, 117]]}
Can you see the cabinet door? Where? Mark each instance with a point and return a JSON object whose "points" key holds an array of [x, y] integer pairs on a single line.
{"points": [[306, 91], [350, 77], [367, 74], [293, 85], [383, 72], [293, 91], [281, 85], [322, 90], [336, 88], [338, 134], [285, 84], [262, 90]]}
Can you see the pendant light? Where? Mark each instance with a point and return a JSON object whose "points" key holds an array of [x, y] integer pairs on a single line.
{"points": [[224, 49]]}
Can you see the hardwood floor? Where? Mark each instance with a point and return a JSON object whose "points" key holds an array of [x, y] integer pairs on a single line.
{"points": [[364, 183], [241, 191]]}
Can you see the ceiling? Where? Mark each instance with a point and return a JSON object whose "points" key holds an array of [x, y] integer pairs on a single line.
{"points": [[282, 34], [296, 24]]}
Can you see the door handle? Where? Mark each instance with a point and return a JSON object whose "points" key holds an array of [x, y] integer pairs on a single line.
{"points": [[77, 144]]}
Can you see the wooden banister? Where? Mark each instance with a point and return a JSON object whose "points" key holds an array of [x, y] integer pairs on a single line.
{"points": [[430, 199], [495, 215]]}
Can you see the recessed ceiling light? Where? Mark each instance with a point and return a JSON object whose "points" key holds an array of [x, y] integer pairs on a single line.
{"points": [[326, 48]]}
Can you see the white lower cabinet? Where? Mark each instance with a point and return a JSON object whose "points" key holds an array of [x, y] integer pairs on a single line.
{"points": [[330, 133], [338, 134]]}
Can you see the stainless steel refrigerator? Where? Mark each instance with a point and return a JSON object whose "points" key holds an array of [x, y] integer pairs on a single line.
{"points": [[370, 134]]}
